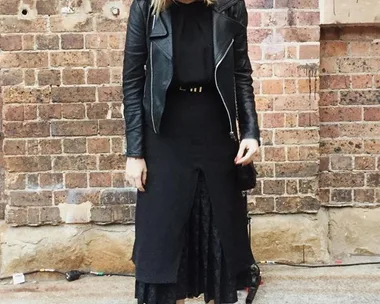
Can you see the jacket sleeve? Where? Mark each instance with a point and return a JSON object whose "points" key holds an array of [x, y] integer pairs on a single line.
{"points": [[135, 56], [248, 123]]}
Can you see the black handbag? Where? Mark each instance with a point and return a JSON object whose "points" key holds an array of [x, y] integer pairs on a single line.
{"points": [[246, 177]]}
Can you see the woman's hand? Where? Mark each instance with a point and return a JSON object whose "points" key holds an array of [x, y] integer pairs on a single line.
{"points": [[136, 172], [250, 146]]}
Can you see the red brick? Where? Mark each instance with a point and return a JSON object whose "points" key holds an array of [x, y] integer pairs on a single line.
{"points": [[372, 146], [14, 113], [111, 127], [72, 41], [330, 33], [30, 77], [341, 162], [309, 51], [26, 129], [28, 42], [10, 43], [328, 98], [72, 59], [300, 34], [49, 77], [329, 65], [360, 130], [116, 41], [273, 120], [109, 58], [311, 4], [75, 145], [275, 18], [296, 169], [335, 82], [14, 147], [361, 81], [98, 76], [359, 48], [364, 195], [76, 180], [294, 204], [285, 69], [9, 7], [292, 52], [254, 52], [59, 23], [261, 205], [262, 70], [291, 120], [329, 131], [366, 97], [11, 77], [73, 76], [359, 33], [26, 95], [365, 163], [105, 24], [373, 179], [28, 163], [49, 111], [50, 146], [97, 110], [47, 7], [259, 3], [335, 114], [75, 163], [110, 94], [272, 86], [372, 113], [291, 187], [288, 137], [341, 179], [24, 60], [30, 198], [17, 25], [256, 35], [309, 86], [308, 119], [47, 42], [358, 65], [290, 86], [74, 128], [117, 145], [305, 18], [274, 187], [98, 145], [274, 154], [73, 94], [341, 146], [324, 164], [334, 48], [112, 162], [341, 195], [100, 179], [73, 111], [96, 41], [295, 102]]}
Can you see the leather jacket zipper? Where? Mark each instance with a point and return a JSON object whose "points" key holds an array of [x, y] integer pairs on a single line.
{"points": [[151, 79], [232, 133]]}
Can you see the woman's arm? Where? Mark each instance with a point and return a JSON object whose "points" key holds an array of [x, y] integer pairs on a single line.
{"points": [[135, 56], [248, 124]]}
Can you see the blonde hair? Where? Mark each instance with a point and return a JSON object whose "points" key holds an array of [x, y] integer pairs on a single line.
{"points": [[160, 5]]}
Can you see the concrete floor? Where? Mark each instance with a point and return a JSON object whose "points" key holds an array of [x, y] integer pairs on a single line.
{"points": [[282, 284]]}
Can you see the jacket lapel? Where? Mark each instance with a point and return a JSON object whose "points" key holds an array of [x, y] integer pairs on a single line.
{"points": [[161, 33]]}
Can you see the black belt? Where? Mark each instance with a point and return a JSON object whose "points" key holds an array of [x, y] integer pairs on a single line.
{"points": [[194, 88]]}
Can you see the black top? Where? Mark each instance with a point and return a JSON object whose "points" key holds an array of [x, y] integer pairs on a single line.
{"points": [[192, 43]]}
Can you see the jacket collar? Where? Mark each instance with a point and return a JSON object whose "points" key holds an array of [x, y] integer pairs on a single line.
{"points": [[223, 29]]}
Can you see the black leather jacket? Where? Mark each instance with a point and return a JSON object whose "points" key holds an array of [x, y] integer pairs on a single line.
{"points": [[148, 70]]}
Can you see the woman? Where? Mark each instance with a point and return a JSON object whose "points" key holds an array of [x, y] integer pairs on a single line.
{"points": [[186, 75]]}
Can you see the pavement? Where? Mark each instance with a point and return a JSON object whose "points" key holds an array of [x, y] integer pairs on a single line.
{"points": [[281, 284]]}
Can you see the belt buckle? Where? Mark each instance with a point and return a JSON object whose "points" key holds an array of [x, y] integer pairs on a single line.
{"points": [[196, 89]]}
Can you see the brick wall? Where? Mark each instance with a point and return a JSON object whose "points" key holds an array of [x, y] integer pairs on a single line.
{"points": [[350, 116], [284, 48], [62, 117], [63, 125]]}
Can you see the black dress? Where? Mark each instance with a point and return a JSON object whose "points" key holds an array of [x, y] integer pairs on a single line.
{"points": [[199, 120]]}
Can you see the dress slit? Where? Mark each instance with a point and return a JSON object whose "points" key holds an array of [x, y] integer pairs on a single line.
{"points": [[202, 268]]}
